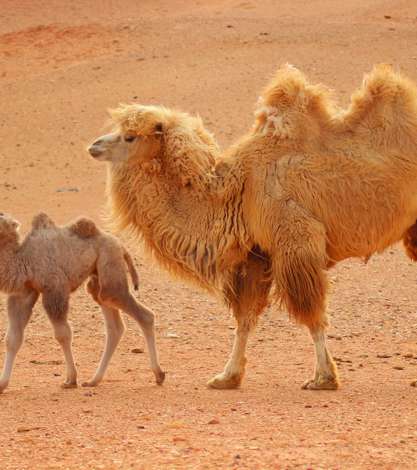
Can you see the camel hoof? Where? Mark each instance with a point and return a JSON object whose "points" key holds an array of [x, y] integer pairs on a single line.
{"points": [[91, 383], [321, 383], [160, 377], [67, 385], [224, 382]]}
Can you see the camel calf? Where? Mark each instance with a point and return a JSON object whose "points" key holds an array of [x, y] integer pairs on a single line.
{"points": [[54, 261]]}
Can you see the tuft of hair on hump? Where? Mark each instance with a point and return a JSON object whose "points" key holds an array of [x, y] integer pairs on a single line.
{"points": [[84, 228], [290, 92], [42, 221]]}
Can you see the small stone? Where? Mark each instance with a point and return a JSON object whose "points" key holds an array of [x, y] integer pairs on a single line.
{"points": [[214, 421], [387, 17], [141, 427], [137, 350], [398, 367], [26, 429], [67, 190], [172, 335]]}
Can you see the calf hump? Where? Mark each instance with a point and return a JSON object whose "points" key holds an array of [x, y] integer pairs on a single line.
{"points": [[42, 221], [84, 228]]}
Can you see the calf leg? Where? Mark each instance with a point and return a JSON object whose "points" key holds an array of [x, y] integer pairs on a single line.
{"points": [[248, 296], [114, 332], [145, 318], [19, 309], [55, 303]]}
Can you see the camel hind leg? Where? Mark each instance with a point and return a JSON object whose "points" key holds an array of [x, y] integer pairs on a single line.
{"points": [[298, 266], [114, 293], [248, 296], [114, 332]]}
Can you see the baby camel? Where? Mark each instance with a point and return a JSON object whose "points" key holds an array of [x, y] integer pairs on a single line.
{"points": [[54, 261]]}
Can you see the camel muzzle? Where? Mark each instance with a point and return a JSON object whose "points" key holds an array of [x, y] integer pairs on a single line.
{"points": [[95, 150]]}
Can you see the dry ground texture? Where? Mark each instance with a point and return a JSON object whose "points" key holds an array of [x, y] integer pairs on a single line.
{"points": [[62, 64]]}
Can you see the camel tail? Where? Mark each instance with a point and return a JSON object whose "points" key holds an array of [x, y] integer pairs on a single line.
{"points": [[132, 270]]}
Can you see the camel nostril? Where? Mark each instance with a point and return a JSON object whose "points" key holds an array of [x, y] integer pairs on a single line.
{"points": [[94, 150]]}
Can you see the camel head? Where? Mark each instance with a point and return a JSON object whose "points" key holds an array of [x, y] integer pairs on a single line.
{"points": [[157, 141], [9, 228]]}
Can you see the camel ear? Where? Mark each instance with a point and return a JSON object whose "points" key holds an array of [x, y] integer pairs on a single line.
{"points": [[16, 225]]}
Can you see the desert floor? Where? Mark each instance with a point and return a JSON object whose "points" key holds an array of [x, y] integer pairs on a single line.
{"points": [[62, 65]]}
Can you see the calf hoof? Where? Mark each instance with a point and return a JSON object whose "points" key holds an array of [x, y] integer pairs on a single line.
{"points": [[160, 377], [66, 385], [3, 387], [91, 383]]}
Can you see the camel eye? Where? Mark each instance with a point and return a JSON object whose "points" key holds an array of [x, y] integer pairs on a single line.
{"points": [[129, 138]]}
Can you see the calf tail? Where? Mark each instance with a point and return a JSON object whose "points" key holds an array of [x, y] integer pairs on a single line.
{"points": [[132, 270]]}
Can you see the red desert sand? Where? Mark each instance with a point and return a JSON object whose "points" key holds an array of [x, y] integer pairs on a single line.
{"points": [[62, 65]]}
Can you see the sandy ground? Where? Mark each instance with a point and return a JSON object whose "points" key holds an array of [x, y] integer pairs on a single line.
{"points": [[62, 64]]}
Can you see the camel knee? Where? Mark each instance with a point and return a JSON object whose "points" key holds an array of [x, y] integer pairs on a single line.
{"points": [[62, 333], [147, 317], [13, 340], [116, 326]]}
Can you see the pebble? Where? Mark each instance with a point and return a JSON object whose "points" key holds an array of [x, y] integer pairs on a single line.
{"points": [[67, 190], [214, 421], [137, 350]]}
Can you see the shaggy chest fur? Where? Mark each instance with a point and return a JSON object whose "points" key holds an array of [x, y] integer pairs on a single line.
{"points": [[197, 237]]}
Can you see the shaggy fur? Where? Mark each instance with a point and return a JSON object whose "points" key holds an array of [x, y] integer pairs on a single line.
{"points": [[55, 261], [309, 185]]}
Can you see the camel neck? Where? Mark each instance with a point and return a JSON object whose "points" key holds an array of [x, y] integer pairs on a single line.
{"points": [[191, 233]]}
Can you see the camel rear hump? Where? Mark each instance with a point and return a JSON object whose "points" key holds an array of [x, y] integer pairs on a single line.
{"points": [[384, 109]]}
